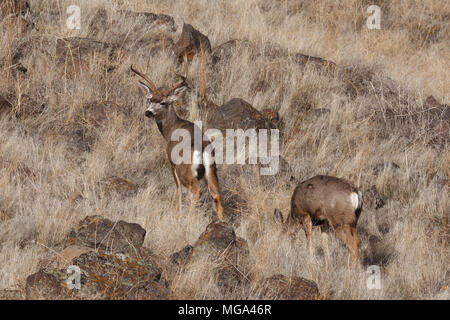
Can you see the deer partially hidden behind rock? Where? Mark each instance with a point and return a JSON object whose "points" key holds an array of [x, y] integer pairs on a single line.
{"points": [[160, 107], [326, 200]]}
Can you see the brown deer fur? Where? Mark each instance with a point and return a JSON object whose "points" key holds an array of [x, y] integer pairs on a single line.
{"points": [[329, 200], [160, 107]]}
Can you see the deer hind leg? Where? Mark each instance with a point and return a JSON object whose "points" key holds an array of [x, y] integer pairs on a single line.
{"points": [[345, 233], [195, 193], [325, 228], [177, 182], [307, 226], [325, 247], [213, 187], [355, 244]]}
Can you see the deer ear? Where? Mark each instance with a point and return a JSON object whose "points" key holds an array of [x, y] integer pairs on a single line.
{"points": [[179, 90], [177, 93], [145, 90]]}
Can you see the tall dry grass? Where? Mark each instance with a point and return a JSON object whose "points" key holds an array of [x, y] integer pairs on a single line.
{"points": [[40, 178]]}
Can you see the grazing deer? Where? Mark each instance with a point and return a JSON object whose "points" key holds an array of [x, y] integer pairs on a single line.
{"points": [[160, 107], [330, 201]]}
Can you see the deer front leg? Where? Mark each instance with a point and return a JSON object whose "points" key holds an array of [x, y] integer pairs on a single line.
{"points": [[344, 232], [195, 192], [213, 187], [307, 226], [177, 182]]}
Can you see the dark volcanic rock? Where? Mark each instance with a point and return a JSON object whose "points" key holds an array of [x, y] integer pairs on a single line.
{"points": [[272, 116], [437, 118], [145, 31], [102, 21], [217, 237], [435, 110], [296, 288], [43, 285], [191, 42], [74, 55], [31, 52], [83, 135], [372, 198], [5, 106], [118, 237], [238, 113], [225, 52], [78, 141], [115, 276], [11, 295], [379, 167], [219, 244], [106, 261], [229, 278], [119, 186], [149, 18], [181, 257], [79, 47], [21, 107], [229, 49], [303, 59], [17, 168], [102, 276], [14, 7], [98, 113]]}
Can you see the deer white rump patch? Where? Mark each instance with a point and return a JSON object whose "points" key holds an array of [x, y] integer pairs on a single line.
{"points": [[354, 198], [208, 161], [196, 161]]}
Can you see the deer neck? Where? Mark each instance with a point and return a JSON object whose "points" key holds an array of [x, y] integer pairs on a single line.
{"points": [[168, 123]]}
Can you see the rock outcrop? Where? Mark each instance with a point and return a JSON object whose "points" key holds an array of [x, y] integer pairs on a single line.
{"points": [[282, 288], [115, 237], [101, 259], [372, 199], [238, 114], [219, 244], [76, 54], [191, 43]]}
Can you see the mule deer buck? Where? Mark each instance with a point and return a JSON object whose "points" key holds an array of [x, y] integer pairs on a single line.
{"points": [[201, 166], [330, 201]]}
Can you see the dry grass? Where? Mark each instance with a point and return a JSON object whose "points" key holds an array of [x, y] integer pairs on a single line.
{"points": [[408, 238]]}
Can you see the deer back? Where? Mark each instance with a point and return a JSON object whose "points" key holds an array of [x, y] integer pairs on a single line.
{"points": [[325, 197]]}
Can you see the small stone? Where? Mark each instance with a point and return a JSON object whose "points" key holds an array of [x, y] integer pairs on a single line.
{"points": [[372, 198], [295, 288], [42, 285]]}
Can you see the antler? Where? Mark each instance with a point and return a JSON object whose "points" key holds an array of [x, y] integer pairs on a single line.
{"points": [[178, 85], [149, 82]]}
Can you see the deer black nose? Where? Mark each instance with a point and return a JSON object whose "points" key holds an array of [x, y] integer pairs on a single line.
{"points": [[148, 114]]}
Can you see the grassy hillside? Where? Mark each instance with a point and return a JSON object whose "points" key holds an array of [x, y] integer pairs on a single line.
{"points": [[69, 128]]}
